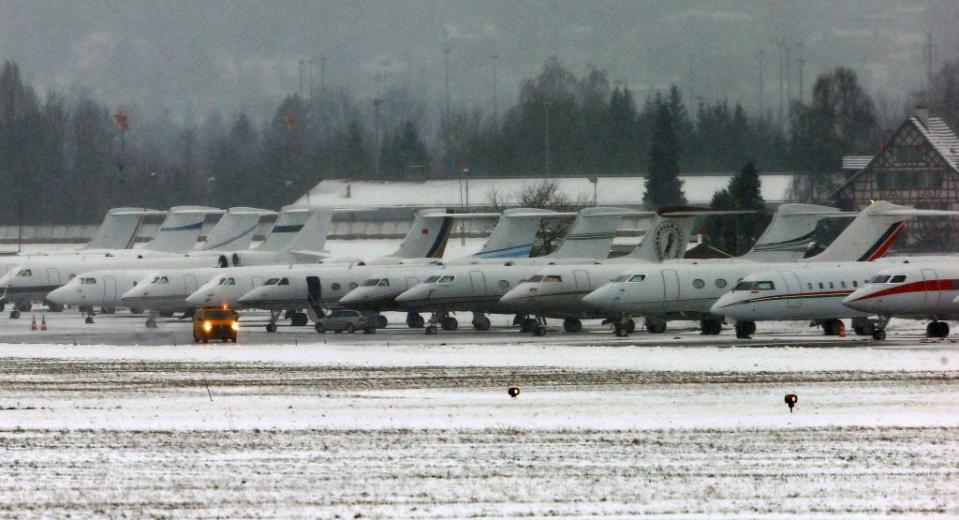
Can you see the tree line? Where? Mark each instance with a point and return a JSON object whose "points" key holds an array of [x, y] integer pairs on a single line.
{"points": [[68, 158]]}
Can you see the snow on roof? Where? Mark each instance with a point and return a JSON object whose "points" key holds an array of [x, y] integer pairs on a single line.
{"points": [[855, 162], [699, 190], [942, 138]]}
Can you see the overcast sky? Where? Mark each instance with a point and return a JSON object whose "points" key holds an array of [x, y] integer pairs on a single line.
{"points": [[203, 55]]}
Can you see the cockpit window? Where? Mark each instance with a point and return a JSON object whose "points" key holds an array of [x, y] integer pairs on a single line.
{"points": [[222, 281], [371, 282], [230, 281], [636, 278], [25, 273], [272, 281], [446, 279], [431, 279], [88, 281], [284, 281], [755, 286], [621, 278], [899, 278], [880, 278], [161, 280], [384, 283], [535, 278], [552, 278]]}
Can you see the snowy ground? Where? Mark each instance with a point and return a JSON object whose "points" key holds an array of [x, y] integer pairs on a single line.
{"points": [[400, 424]]}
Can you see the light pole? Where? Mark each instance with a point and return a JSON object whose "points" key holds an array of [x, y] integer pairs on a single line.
{"points": [[464, 181], [546, 136], [494, 57]]}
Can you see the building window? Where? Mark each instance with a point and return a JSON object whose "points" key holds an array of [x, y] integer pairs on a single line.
{"points": [[882, 181]]}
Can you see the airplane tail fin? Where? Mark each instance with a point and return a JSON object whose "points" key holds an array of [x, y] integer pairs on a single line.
{"points": [[181, 228], [870, 235], [792, 229], [427, 236], [668, 235], [515, 232], [119, 228], [235, 229], [313, 232], [592, 234], [290, 221]]}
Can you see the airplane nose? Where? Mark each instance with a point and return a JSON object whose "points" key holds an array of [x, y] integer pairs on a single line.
{"points": [[58, 296], [410, 296], [856, 301], [598, 298]]}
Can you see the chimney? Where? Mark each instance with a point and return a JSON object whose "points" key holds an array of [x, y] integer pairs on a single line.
{"points": [[922, 114]]}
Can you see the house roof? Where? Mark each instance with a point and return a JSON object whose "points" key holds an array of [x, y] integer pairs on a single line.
{"points": [[855, 162], [942, 138], [938, 135]]}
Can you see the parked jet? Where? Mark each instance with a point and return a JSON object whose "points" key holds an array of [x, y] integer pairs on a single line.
{"points": [[322, 287], [922, 289], [557, 291], [685, 291]]}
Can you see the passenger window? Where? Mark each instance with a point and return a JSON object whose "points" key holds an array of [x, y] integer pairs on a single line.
{"points": [[855, 283], [831, 286], [842, 284], [503, 284], [821, 285], [809, 285], [335, 286], [720, 283], [699, 284]]}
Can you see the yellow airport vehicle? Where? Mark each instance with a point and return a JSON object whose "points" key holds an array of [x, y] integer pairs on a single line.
{"points": [[215, 323]]}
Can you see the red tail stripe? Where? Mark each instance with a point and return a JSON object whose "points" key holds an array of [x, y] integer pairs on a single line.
{"points": [[886, 245]]}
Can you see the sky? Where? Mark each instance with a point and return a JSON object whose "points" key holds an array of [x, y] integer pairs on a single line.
{"points": [[193, 57]]}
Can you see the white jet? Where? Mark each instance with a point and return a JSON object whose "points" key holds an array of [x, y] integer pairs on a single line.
{"points": [[557, 291], [478, 287], [689, 290], [919, 289], [322, 287]]}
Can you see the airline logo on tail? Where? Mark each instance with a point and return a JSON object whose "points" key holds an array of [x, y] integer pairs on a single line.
{"points": [[881, 247], [668, 241], [439, 245]]}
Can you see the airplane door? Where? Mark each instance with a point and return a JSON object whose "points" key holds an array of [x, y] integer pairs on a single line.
{"points": [[314, 294], [670, 285], [581, 278], [932, 293], [793, 286], [53, 276], [109, 289], [478, 279], [189, 283]]}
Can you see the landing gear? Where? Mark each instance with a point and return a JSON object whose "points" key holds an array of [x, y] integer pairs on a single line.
{"points": [[299, 319], [572, 325], [381, 321], [88, 320], [863, 326], [624, 326], [832, 327], [24, 306], [444, 320], [527, 324], [151, 323], [449, 324], [14, 314], [430, 329], [414, 320], [937, 329], [271, 326], [710, 327], [108, 310], [879, 335], [655, 327], [53, 307], [481, 322], [136, 310], [745, 329]]}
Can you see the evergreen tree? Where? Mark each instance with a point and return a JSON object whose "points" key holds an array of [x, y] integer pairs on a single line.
{"points": [[735, 234], [663, 187]]}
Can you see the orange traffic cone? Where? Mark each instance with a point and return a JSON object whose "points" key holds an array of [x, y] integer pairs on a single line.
{"points": [[33, 324], [43, 322], [842, 329]]}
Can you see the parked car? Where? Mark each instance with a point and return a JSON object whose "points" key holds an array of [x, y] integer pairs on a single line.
{"points": [[346, 320]]}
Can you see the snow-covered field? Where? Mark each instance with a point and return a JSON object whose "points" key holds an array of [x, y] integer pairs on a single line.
{"points": [[132, 422]]}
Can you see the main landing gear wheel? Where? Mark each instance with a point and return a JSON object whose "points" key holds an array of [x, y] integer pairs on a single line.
{"points": [[481, 323], [879, 335], [415, 321], [151, 323], [745, 329], [271, 327], [832, 327], [14, 314], [572, 325], [937, 329], [656, 327], [24, 306], [540, 330], [299, 319], [430, 329], [88, 320], [527, 325], [381, 321], [710, 327], [449, 323]]}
